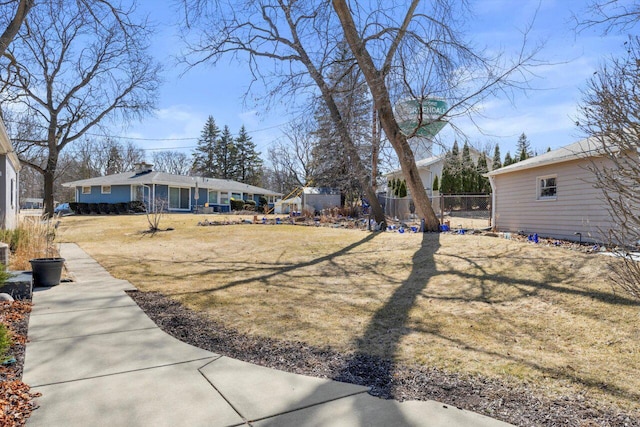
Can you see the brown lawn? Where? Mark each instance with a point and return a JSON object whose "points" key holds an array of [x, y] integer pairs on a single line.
{"points": [[504, 309]]}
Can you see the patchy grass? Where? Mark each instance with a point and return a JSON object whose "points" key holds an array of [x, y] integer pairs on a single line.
{"points": [[504, 309]]}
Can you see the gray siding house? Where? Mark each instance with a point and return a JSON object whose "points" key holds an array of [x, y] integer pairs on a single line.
{"points": [[9, 174], [177, 193], [552, 195]]}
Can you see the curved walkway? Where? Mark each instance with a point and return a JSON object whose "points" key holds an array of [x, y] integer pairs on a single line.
{"points": [[99, 360]]}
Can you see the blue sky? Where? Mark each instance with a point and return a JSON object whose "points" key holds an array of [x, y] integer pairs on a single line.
{"points": [[546, 113]]}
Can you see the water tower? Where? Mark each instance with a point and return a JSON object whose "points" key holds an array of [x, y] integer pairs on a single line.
{"points": [[420, 121]]}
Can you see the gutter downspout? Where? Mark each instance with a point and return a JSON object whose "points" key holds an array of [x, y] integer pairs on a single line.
{"points": [[493, 201]]}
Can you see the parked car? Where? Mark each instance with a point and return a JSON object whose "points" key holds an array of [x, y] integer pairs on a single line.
{"points": [[62, 209]]}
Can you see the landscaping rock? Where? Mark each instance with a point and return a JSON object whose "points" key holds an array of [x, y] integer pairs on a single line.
{"points": [[19, 286], [6, 297]]}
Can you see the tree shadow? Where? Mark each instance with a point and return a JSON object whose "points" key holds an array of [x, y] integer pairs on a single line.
{"points": [[276, 269], [389, 325]]}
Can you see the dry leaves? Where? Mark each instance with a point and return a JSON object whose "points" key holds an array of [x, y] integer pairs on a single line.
{"points": [[16, 397]]}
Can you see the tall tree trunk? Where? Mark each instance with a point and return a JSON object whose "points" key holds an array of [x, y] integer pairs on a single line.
{"points": [[48, 193], [380, 93], [49, 178]]}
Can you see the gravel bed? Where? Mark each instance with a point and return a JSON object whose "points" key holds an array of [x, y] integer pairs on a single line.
{"points": [[519, 405]]}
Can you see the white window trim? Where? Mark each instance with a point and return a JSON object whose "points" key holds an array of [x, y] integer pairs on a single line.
{"points": [[84, 187], [103, 191], [539, 188], [220, 198], [169, 202], [213, 202]]}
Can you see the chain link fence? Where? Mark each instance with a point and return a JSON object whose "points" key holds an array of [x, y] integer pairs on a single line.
{"points": [[460, 210]]}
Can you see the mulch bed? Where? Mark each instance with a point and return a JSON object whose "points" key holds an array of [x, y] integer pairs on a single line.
{"points": [[16, 397], [519, 405]]}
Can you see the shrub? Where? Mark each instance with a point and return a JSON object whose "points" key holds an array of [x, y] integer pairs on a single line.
{"points": [[4, 274], [74, 207], [33, 238], [11, 237], [122, 207], [5, 342], [237, 205], [83, 208], [137, 206]]}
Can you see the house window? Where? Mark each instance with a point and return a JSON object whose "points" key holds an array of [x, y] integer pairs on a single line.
{"points": [[86, 190], [236, 196], [179, 198], [224, 198], [213, 197], [547, 187], [106, 189]]}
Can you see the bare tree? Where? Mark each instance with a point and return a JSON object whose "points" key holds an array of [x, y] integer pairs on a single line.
{"points": [[403, 52], [609, 15], [20, 10], [609, 116], [418, 53], [175, 162], [297, 37], [71, 68], [293, 158]]}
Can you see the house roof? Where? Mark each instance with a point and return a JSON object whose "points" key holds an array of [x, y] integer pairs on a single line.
{"points": [[291, 201], [7, 148], [583, 149], [421, 164], [163, 178]]}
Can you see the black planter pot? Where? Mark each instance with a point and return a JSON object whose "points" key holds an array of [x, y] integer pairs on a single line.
{"points": [[46, 271]]}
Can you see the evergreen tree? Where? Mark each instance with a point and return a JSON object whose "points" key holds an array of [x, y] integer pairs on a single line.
{"points": [[249, 167], [204, 155], [508, 160], [524, 148], [402, 189], [226, 155], [451, 172], [114, 162], [436, 184], [468, 174], [497, 162], [482, 182], [446, 186], [333, 165]]}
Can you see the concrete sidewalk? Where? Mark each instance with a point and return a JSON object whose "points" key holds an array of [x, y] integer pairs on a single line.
{"points": [[98, 360]]}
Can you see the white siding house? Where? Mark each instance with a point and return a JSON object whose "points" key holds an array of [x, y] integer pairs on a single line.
{"points": [[9, 174], [431, 167], [552, 195]]}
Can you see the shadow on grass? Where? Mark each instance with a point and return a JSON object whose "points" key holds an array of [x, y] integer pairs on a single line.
{"points": [[390, 323], [277, 269]]}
